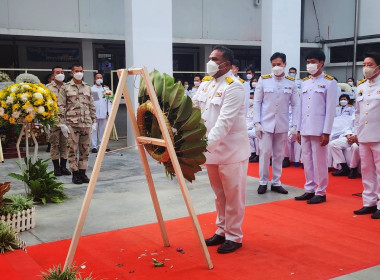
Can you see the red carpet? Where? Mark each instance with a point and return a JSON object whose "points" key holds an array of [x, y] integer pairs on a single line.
{"points": [[283, 240]]}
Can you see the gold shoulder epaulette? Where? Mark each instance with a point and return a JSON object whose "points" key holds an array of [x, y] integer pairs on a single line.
{"points": [[362, 81], [241, 80], [290, 78], [229, 80], [337, 105], [328, 77], [206, 78], [266, 76], [349, 105], [306, 78]]}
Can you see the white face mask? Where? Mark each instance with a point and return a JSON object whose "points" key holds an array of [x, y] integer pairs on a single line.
{"points": [[351, 84], [278, 70], [249, 76], [369, 72], [59, 77], [253, 84], [99, 81], [312, 68], [213, 68], [78, 76], [186, 86], [343, 102], [197, 84]]}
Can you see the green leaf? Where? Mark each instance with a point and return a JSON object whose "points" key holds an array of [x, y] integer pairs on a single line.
{"points": [[196, 160], [176, 95], [43, 200], [158, 83], [194, 135], [17, 176], [193, 121], [167, 86], [191, 148], [184, 110]]}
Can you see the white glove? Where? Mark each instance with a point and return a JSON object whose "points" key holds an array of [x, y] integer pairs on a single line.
{"points": [[65, 130], [293, 130], [259, 130], [93, 128], [47, 129]]}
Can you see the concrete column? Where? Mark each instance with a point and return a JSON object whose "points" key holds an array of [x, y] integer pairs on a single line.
{"points": [[148, 41], [281, 32], [88, 60], [205, 52]]}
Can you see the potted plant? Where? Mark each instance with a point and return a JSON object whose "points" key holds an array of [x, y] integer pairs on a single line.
{"points": [[70, 273], [8, 239], [41, 185], [17, 210]]}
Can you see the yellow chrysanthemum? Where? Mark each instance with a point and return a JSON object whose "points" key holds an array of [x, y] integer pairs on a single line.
{"points": [[3, 104], [12, 120], [5, 116], [15, 107], [29, 118]]}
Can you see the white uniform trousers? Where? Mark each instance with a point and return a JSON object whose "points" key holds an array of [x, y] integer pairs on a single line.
{"points": [[228, 182], [253, 141], [271, 144], [314, 159], [97, 136], [355, 156], [337, 148], [292, 149], [370, 166]]}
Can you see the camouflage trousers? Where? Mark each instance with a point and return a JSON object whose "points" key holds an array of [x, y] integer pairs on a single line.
{"points": [[58, 144], [79, 137]]}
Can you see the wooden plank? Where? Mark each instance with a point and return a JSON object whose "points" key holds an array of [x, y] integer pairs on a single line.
{"points": [[96, 171], [144, 161], [148, 140], [177, 167]]}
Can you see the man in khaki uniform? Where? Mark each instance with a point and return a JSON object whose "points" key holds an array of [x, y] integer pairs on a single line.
{"points": [[58, 141], [77, 117]]}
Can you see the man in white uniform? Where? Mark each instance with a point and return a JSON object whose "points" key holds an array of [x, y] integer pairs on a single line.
{"points": [[253, 141], [367, 121], [273, 95], [197, 83], [221, 100], [103, 109], [317, 110]]}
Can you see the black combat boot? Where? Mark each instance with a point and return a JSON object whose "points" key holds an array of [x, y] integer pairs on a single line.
{"points": [[64, 170], [76, 178], [344, 171], [57, 168], [83, 177]]}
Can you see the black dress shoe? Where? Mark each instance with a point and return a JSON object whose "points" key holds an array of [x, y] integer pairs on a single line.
{"points": [[285, 162], [316, 199], [215, 240], [107, 150], [256, 158], [353, 173], [278, 189], [262, 189], [366, 210], [305, 196], [94, 150], [376, 215], [341, 172], [251, 158], [228, 247]]}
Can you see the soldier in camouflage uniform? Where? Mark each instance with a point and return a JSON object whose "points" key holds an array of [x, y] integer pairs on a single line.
{"points": [[58, 141], [77, 117]]}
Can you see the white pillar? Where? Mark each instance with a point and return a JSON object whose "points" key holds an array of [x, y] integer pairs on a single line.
{"points": [[281, 32], [148, 41], [88, 61]]}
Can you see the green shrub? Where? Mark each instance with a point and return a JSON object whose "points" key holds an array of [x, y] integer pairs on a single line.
{"points": [[13, 204], [8, 238], [41, 184], [70, 273]]}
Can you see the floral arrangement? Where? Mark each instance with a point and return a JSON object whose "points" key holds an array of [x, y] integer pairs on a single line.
{"points": [[108, 94], [37, 129], [27, 78], [4, 77], [27, 102]]}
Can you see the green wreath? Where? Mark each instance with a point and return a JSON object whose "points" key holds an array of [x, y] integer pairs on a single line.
{"points": [[183, 122]]}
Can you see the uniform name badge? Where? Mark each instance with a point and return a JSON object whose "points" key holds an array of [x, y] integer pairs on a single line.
{"points": [[95, 95]]}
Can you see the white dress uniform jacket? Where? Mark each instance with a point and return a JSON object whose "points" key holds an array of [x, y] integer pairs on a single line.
{"points": [[102, 105], [271, 103], [317, 108], [347, 110], [222, 105]]}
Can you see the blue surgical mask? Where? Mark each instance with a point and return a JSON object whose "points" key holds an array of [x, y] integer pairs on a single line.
{"points": [[292, 75]]}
